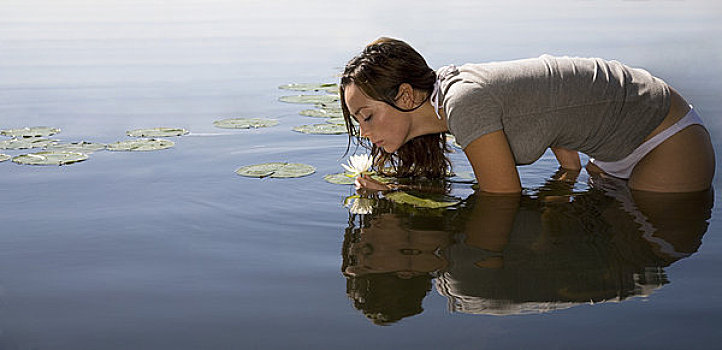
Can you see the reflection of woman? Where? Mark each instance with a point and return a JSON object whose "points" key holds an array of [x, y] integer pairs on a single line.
{"points": [[512, 254], [508, 113], [388, 263], [601, 245]]}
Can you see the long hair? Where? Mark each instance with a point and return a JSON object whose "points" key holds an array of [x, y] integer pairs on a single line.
{"points": [[378, 71]]}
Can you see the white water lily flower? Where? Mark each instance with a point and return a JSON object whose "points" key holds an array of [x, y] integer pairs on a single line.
{"points": [[359, 205], [359, 165]]}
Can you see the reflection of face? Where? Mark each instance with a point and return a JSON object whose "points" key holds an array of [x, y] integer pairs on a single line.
{"points": [[387, 247], [384, 125]]}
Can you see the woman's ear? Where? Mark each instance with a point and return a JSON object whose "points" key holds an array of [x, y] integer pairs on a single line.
{"points": [[405, 96]]}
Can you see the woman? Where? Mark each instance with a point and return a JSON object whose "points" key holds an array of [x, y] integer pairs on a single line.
{"points": [[506, 114]]}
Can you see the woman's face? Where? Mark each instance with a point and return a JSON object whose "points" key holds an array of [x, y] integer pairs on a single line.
{"points": [[382, 124]]}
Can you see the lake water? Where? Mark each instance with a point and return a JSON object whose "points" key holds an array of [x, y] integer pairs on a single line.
{"points": [[172, 250]]}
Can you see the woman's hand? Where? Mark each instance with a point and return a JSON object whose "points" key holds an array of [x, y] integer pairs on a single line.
{"points": [[567, 158], [367, 183]]}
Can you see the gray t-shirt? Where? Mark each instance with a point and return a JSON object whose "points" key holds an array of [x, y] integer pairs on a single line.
{"points": [[602, 108]]}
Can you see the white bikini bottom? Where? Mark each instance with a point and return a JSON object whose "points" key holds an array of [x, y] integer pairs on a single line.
{"points": [[623, 168]]}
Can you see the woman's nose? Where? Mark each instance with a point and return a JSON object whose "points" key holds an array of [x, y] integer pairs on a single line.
{"points": [[363, 132]]}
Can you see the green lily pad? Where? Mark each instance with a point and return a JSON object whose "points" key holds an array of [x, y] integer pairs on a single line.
{"points": [[50, 158], [402, 197], [244, 123], [26, 142], [321, 99], [339, 121], [336, 121], [324, 129], [4, 157], [464, 177], [82, 147], [276, 169], [35, 131], [344, 179], [339, 179], [157, 132], [321, 113], [334, 106], [330, 87], [140, 145]]}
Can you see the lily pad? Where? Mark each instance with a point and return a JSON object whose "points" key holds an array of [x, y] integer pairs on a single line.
{"points": [[35, 131], [325, 129], [336, 121], [322, 99], [244, 123], [26, 142], [157, 132], [82, 147], [276, 169], [50, 158], [339, 121], [140, 145], [331, 87], [334, 106], [344, 179], [321, 113], [4, 157], [339, 179], [464, 177], [402, 197]]}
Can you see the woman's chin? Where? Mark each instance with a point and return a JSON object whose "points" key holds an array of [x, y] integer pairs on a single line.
{"points": [[388, 148]]}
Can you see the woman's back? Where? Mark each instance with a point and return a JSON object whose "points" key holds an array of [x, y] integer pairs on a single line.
{"points": [[602, 108]]}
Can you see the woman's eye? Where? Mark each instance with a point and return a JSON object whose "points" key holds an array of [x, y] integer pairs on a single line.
{"points": [[368, 118]]}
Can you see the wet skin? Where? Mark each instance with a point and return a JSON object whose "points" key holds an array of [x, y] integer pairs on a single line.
{"points": [[388, 127], [382, 124]]}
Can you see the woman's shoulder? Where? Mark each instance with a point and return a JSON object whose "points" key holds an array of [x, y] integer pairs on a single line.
{"points": [[467, 94], [490, 74], [472, 110]]}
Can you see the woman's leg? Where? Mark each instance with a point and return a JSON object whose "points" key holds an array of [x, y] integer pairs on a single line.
{"points": [[684, 162]]}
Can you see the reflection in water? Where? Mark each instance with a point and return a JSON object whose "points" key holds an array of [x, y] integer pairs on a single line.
{"points": [[389, 258], [505, 255]]}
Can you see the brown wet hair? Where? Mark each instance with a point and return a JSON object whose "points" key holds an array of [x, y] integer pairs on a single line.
{"points": [[378, 71]]}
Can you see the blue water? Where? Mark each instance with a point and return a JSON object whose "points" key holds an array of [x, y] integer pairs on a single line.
{"points": [[171, 249]]}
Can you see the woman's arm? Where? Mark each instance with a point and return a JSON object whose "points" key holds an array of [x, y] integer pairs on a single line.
{"points": [[568, 159], [491, 159], [493, 163]]}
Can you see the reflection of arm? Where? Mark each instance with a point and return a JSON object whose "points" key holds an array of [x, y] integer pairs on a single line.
{"points": [[491, 221], [560, 186]]}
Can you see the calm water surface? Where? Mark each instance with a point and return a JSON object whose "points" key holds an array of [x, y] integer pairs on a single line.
{"points": [[171, 249]]}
